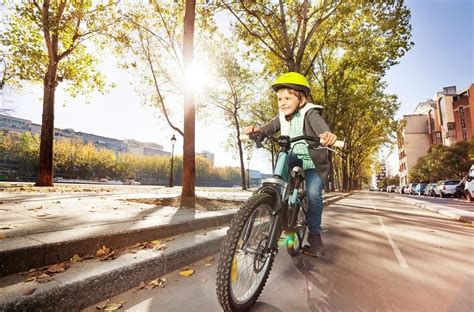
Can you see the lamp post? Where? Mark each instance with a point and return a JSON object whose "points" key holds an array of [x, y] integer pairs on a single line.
{"points": [[248, 172], [173, 142]]}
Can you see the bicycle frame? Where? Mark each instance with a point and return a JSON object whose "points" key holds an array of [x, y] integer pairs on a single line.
{"points": [[278, 187]]}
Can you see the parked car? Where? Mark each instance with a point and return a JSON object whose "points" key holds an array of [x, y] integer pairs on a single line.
{"points": [[429, 189], [469, 186], [397, 189], [411, 188], [403, 189], [445, 188], [391, 188], [420, 188], [459, 191]]}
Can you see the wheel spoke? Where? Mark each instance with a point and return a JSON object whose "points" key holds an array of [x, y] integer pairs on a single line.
{"points": [[247, 278]]}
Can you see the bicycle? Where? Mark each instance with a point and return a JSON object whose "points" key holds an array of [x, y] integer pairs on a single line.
{"points": [[251, 243]]}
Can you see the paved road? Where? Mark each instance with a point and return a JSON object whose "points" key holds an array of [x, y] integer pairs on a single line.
{"points": [[383, 255]]}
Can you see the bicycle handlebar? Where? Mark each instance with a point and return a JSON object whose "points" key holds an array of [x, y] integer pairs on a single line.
{"points": [[258, 139]]}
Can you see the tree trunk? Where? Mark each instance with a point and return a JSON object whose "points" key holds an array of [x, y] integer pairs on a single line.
{"points": [[45, 172], [241, 152], [345, 175], [189, 161]]}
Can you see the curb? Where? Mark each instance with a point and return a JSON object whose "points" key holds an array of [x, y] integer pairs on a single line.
{"points": [[13, 260], [452, 213], [89, 283]]}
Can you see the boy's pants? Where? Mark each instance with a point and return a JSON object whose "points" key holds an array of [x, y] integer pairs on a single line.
{"points": [[314, 194]]}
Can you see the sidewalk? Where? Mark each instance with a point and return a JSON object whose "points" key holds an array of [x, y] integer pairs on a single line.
{"points": [[461, 213], [39, 229]]}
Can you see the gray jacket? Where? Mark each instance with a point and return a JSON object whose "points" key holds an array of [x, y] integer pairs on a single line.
{"points": [[313, 126]]}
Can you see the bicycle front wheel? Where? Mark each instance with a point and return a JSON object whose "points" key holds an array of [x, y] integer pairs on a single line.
{"points": [[245, 261]]}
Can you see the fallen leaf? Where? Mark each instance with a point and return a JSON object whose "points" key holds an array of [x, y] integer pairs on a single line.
{"points": [[142, 285], [76, 258], [43, 278], [164, 279], [207, 264], [155, 242], [56, 268], [109, 256], [160, 247], [2, 236], [209, 259], [29, 291], [113, 306], [102, 251], [186, 272]]}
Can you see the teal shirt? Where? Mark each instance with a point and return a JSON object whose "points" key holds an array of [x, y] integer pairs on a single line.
{"points": [[300, 148]]}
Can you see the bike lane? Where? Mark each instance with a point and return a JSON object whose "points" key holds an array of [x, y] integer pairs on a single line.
{"points": [[383, 255]]}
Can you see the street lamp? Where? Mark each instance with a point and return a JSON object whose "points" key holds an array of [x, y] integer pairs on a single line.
{"points": [[173, 142], [248, 172]]}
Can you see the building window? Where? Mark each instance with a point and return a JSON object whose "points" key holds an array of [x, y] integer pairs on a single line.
{"points": [[463, 121]]}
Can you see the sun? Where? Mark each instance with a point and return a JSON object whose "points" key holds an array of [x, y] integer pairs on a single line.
{"points": [[197, 76]]}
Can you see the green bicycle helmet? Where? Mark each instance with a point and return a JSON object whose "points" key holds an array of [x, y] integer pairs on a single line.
{"points": [[292, 80]]}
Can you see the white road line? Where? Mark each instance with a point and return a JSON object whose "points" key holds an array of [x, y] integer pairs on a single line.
{"points": [[398, 253]]}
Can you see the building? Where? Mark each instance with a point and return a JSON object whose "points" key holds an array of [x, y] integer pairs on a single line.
{"points": [[413, 143], [445, 112], [424, 107], [208, 155], [13, 124], [463, 114], [145, 148], [445, 120]]}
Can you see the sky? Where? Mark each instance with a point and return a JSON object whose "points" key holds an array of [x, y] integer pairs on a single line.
{"points": [[443, 55]]}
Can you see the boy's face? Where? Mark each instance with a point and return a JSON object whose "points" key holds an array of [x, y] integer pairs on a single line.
{"points": [[288, 103]]}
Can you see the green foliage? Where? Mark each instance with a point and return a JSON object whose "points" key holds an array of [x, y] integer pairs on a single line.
{"points": [[443, 162], [70, 24]]}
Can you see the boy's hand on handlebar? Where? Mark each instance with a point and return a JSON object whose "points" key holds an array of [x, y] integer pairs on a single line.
{"points": [[251, 130], [328, 138]]}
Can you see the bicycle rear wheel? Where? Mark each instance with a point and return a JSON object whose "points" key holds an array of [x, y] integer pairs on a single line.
{"points": [[245, 262]]}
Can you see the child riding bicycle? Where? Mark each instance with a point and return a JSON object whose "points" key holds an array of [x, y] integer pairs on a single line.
{"points": [[299, 117]]}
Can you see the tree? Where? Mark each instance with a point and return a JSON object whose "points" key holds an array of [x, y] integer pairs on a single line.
{"points": [[46, 44], [167, 50], [232, 91], [344, 48]]}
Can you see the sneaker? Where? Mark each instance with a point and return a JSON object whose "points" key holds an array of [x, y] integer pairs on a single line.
{"points": [[316, 246]]}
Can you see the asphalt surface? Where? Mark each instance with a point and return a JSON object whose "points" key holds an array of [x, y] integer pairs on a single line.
{"points": [[383, 255]]}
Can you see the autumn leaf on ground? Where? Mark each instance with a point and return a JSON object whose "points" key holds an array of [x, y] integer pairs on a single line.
{"points": [[43, 278], [156, 282], [76, 258], [102, 251], [109, 256], [56, 268], [2, 236], [209, 259], [160, 247], [186, 272], [141, 286]]}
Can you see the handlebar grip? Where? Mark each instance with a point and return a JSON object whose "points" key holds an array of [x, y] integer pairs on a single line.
{"points": [[338, 143]]}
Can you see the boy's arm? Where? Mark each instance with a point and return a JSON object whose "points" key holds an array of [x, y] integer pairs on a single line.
{"points": [[272, 127], [321, 128]]}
